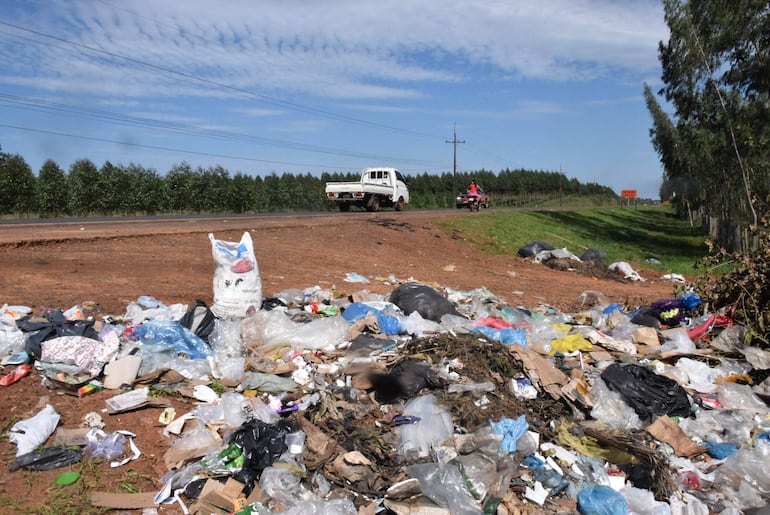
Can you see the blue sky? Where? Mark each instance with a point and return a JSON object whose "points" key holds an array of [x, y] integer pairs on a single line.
{"points": [[306, 86]]}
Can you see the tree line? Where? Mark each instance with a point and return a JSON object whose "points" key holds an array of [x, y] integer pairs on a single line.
{"points": [[713, 137], [114, 189]]}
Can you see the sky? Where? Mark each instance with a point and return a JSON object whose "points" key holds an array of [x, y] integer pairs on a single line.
{"points": [[301, 86]]}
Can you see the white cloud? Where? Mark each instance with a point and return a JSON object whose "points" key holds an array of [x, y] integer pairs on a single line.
{"points": [[361, 49]]}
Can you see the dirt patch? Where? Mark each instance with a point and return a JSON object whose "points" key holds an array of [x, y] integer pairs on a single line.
{"points": [[102, 266]]}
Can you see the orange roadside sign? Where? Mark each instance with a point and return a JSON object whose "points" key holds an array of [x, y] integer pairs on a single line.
{"points": [[628, 193]]}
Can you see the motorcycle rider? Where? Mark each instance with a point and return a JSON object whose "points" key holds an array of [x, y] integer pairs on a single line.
{"points": [[473, 194]]}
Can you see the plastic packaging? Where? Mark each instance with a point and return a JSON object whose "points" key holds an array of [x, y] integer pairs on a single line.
{"points": [[237, 284], [743, 476], [417, 326], [445, 485], [225, 338], [108, 446]]}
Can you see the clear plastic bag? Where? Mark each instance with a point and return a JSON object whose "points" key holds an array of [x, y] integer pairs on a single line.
{"points": [[445, 485], [267, 330], [610, 408], [433, 428]]}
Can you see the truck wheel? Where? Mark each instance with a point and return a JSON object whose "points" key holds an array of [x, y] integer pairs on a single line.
{"points": [[344, 207], [400, 204], [374, 204]]}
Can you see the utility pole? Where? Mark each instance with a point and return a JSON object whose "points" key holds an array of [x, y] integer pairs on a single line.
{"points": [[454, 143]]}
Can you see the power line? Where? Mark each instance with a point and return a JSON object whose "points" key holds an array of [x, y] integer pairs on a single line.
{"points": [[40, 105], [209, 82]]}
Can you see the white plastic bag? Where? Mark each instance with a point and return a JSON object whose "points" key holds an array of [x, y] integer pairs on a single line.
{"points": [[237, 284], [31, 433]]}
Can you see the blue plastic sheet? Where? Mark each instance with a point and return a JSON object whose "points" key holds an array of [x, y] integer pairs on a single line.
{"points": [[172, 334], [720, 451], [601, 500], [358, 310], [506, 336], [511, 430]]}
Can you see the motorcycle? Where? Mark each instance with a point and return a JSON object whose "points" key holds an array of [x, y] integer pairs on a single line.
{"points": [[474, 202]]}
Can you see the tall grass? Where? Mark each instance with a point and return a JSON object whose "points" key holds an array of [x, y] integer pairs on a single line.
{"points": [[641, 235]]}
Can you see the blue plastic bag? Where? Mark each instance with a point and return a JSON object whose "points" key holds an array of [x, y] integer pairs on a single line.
{"points": [[601, 500], [506, 336], [511, 430], [720, 451], [358, 310], [168, 333]]}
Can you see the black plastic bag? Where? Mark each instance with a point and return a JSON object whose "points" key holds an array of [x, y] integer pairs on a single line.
{"points": [[532, 249], [57, 325], [50, 458], [648, 393], [262, 444], [200, 320], [597, 256], [404, 381], [428, 302]]}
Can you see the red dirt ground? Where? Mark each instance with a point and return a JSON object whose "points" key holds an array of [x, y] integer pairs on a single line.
{"points": [[108, 264]]}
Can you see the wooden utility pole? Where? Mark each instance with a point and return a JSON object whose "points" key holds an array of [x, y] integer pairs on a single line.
{"points": [[454, 143]]}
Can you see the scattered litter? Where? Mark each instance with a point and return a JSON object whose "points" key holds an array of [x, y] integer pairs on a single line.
{"points": [[424, 400]]}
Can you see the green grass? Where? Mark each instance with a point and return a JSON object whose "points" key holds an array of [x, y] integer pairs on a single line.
{"points": [[625, 234]]}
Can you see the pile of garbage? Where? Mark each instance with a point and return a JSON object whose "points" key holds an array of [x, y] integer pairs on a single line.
{"points": [[425, 400]]}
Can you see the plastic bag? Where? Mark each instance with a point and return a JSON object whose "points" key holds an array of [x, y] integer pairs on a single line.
{"points": [[172, 334], [642, 502], [648, 393], [359, 310], [406, 379], [601, 500], [569, 343], [506, 336], [743, 476], [321, 507], [610, 408], [417, 326], [428, 302], [433, 428], [445, 485], [531, 249], [511, 430], [30, 433], [267, 330], [49, 458], [199, 319], [262, 445], [237, 284]]}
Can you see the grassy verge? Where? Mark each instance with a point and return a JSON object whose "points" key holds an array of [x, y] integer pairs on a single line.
{"points": [[636, 235]]}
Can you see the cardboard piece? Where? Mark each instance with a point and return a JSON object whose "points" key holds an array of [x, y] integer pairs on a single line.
{"points": [[542, 372], [76, 437], [219, 498], [668, 431], [646, 336], [121, 371], [134, 399], [135, 501]]}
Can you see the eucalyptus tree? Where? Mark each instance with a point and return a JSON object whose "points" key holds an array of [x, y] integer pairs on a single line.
{"points": [[51, 190], [83, 187], [715, 62], [17, 185]]}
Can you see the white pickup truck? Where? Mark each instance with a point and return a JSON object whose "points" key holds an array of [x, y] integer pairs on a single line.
{"points": [[378, 187]]}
